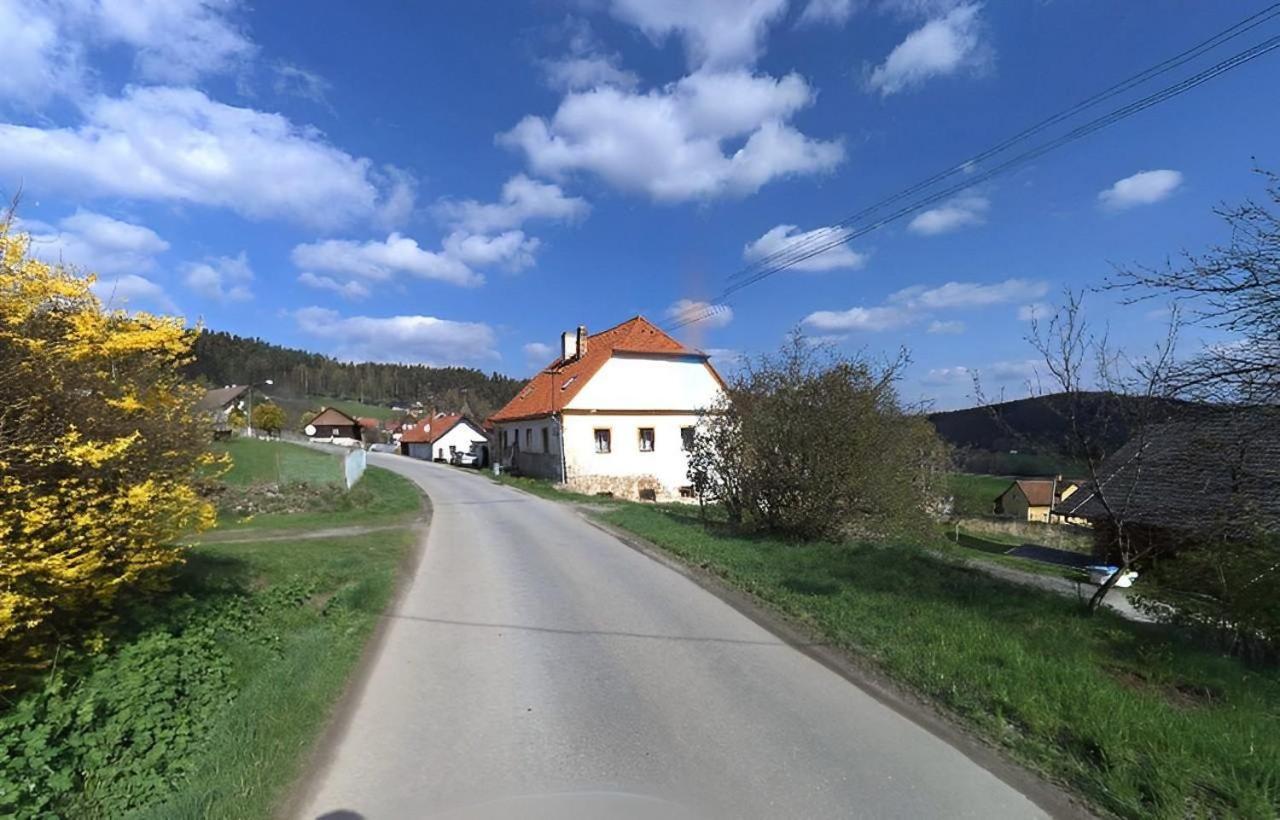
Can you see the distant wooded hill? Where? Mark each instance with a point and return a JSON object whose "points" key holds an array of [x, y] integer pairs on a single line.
{"points": [[1032, 436], [224, 358]]}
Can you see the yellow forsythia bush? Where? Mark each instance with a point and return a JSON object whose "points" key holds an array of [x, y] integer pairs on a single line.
{"points": [[100, 452]]}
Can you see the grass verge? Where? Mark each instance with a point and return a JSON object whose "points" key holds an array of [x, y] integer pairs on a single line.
{"points": [[205, 702], [1137, 720]]}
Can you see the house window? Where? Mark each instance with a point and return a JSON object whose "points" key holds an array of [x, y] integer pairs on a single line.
{"points": [[686, 438], [546, 446], [646, 439], [528, 439], [604, 440]]}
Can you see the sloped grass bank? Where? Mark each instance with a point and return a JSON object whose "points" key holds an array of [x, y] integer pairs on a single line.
{"points": [[278, 462], [206, 702], [1139, 721], [379, 497]]}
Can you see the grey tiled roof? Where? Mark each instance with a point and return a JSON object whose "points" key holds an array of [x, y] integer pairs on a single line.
{"points": [[1217, 470]]}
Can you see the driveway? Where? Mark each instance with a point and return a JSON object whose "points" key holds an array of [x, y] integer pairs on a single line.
{"points": [[534, 654]]}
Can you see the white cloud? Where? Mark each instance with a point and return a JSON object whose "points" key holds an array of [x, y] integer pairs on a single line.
{"points": [[716, 33], [174, 41], [538, 354], [37, 63], [968, 294], [299, 82], [176, 144], [1143, 188], [573, 73], [951, 327], [669, 142], [522, 199], [382, 260], [997, 372], [913, 304], [860, 318], [511, 249], [1035, 310], [951, 215], [788, 237], [1011, 371], [943, 376], [419, 339], [350, 289], [942, 46], [827, 11], [95, 242], [128, 290], [715, 315], [222, 279]]}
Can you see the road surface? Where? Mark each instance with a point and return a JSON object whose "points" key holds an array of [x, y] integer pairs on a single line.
{"points": [[535, 654]]}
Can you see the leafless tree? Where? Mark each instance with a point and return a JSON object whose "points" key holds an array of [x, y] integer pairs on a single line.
{"points": [[1100, 388], [1233, 287]]}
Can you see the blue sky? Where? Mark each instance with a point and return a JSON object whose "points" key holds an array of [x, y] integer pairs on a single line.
{"points": [[458, 185]]}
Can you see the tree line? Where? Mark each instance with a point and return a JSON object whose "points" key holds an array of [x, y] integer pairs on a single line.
{"points": [[223, 358]]}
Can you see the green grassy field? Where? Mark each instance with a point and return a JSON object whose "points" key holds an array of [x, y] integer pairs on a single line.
{"points": [[975, 495], [206, 700], [278, 462], [1139, 721]]}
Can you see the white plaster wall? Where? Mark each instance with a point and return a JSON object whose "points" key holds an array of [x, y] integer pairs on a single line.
{"points": [[460, 436], [535, 440], [668, 462], [648, 383]]}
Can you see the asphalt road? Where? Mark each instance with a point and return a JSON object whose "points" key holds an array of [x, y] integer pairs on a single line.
{"points": [[534, 654]]}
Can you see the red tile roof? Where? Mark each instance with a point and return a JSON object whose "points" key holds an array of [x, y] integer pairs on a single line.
{"points": [[428, 430], [559, 382], [368, 423]]}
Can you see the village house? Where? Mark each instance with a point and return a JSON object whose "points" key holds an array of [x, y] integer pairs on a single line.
{"points": [[614, 413], [1033, 500], [437, 438], [1187, 483], [218, 404], [333, 425]]}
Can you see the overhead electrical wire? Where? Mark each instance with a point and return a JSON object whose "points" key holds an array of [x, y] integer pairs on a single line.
{"points": [[842, 232]]}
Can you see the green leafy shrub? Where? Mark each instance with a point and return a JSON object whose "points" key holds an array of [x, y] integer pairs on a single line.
{"points": [[127, 731]]}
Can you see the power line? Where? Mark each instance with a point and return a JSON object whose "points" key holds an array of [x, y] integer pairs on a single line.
{"points": [[791, 256], [1183, 57]]}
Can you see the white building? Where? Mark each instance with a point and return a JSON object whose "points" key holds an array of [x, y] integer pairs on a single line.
{"points": [[612, 414], [436, 438]]}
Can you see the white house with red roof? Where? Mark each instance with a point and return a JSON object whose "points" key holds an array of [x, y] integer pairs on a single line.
{"points": [[436, 438], [612, 414]]}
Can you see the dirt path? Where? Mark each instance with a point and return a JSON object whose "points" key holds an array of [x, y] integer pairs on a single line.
{"points": [[299, 534]]}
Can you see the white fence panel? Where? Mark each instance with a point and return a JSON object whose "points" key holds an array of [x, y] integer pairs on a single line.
{"points": [[353, 466]]}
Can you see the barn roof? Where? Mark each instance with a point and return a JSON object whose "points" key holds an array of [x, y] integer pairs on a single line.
{"points": [[1221, 468], [220, 397], [333, 416]]}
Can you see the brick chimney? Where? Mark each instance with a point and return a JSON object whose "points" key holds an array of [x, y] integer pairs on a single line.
{"points": [[582, 340]]}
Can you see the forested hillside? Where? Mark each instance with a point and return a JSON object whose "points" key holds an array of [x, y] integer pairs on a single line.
{"points": [[224, 358], [1031, 436]]}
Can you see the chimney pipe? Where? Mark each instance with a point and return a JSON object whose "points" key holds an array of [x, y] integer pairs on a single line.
{"points": [[582, 340], [568, 346]]}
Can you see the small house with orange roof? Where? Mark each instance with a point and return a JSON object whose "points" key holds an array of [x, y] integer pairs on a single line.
{"points": [[438, 437], [614, 413]]}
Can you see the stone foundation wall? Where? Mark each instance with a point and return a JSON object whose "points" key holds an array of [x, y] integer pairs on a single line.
{"points": [[626, 487]]}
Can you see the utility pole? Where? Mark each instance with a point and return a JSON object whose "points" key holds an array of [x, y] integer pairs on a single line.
{"points": [[248, 420]]}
